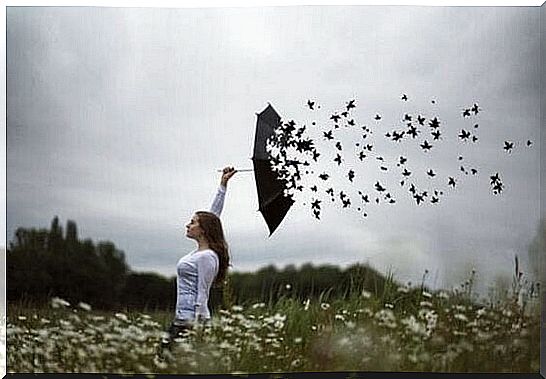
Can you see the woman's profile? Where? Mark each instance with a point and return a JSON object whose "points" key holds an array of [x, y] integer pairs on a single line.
{"points": [[199, 269]]}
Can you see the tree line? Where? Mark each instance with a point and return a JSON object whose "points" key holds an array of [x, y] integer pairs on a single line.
{"points": [[43, 263]]}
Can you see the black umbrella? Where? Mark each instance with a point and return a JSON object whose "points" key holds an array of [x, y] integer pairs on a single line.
{"points": [[273, 203]]}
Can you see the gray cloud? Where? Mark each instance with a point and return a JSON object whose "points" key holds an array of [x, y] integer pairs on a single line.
{"points": [[119, 117]]}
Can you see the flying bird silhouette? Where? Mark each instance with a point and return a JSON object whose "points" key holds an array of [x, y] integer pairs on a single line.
{"points": [[464, 135], [508, 146], [310, 104], [404, 97], [426, 146]]}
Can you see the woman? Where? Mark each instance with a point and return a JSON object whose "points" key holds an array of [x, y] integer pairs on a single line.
{"points": [[199, 269]]}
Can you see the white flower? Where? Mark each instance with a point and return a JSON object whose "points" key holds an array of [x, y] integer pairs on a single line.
{"points": [[443, 295], [481, 312], [366, 294], [288, 286], [325, 306], [388, 305], [298, 340], [427, 295], [425, 304], [22, 318], [306, 303], [122, 317], [258, 305], [403, 289], [237, 308], [57, 302], [339, 317], [84, 306], [461, 317]]}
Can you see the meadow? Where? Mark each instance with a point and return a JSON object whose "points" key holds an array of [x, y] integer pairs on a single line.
{"points": [[402, 329]]}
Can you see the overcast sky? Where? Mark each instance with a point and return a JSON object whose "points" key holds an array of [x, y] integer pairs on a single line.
{"points": [[118, 118]]}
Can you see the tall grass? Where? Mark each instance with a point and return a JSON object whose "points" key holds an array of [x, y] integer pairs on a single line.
{"points": [[397, 328]]}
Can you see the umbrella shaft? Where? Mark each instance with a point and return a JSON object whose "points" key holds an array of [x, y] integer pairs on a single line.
{"points": [[243, 169]]}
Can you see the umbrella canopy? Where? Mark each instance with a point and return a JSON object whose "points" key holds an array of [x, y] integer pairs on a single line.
{"points": [[273, 203]]}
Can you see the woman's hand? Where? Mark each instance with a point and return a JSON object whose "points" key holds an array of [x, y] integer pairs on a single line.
{"points": [[227, 173]]}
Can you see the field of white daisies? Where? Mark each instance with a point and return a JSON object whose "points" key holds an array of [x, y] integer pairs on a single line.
{"points": [[406, 331]]}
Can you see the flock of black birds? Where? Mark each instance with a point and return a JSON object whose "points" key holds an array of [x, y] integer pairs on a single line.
{"points": [[295, 155]]}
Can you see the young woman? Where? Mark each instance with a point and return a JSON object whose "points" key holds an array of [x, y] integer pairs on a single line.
{"points": [[199, 269]]}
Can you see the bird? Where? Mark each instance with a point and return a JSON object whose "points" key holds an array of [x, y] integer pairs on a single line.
{"points": [[324, 176], [316, 213], [476, 126], [426, 146], [434, 200], [407, 117], [310, 104], [351, 175], [413, 131], [330, 191], [338, 146], [383, 168], [377, 117], [466, 112], [345, 114], [433, 101], [328, 135], [338, 159], [436, 134], [420, 120], [361, 156], [397, 136], [451, 182], [418, 198], [314, 188], [464, 135], [474, 171], [508, 146], [529, 142], [351, 104], [494, 178], [335, 117], [404, 97], [351, 122], [316, 204], [403, 160], [346, 203], [379, 187], [406, 173], [380, 158], [300, 131], [434, 123], [474, 138], [431, 173], [316, 154], [475, 108]]}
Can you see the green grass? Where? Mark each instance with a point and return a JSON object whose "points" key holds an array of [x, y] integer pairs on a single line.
{"points": [[400, 329]]}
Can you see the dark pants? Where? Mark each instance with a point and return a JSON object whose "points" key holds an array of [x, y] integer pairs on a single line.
{"points": [[177, 329]]}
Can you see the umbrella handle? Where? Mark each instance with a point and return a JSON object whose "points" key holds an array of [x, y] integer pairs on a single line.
{"points": [[241, 170]]}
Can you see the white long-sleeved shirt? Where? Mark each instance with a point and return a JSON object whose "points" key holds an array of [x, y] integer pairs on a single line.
{"points": [[195, 273]]}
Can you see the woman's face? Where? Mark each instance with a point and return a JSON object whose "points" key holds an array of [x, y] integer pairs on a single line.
{"points": [[193, 230]]}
